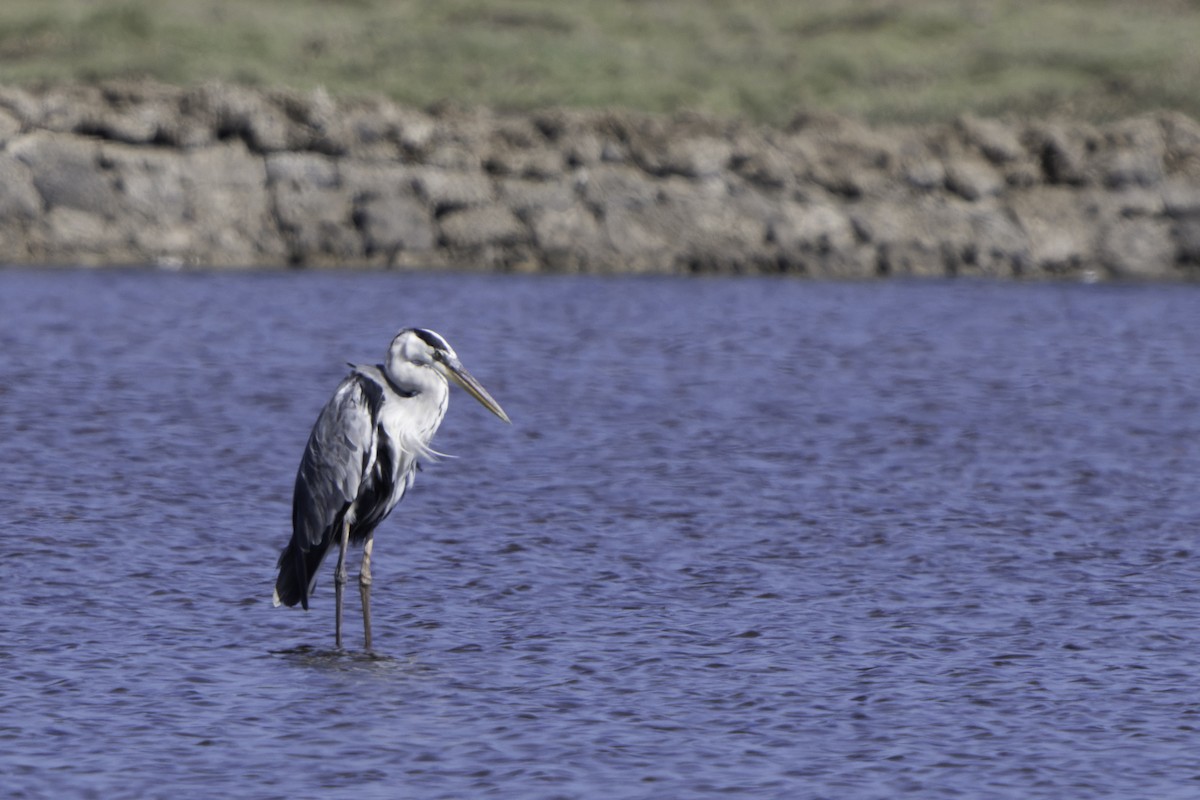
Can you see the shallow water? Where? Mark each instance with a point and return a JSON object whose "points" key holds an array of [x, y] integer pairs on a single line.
{"points": [[753, 538]]}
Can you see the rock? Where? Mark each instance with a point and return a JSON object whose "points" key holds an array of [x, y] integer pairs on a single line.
{"points": [[1022, 174], [1181, 142], [136, 172], [535, 163], [303, 171], [1132, 154], [589, 149], [1132, 167], [314, 210], [811, 228], [817, 239], [234, 112], [395, 223], [701, 157], [80, 236], [529, 196], [998, 246], [685, 225], [473, 228], [1062, 153], [139, 125], [568, 237], [449, 190], [1181, 198], [843, 157], [760, 163], [1186, 235], [925, 175], [10, 126], [611, 186], [67, 173], [998, 142], [1138, 248], [972, 179], [639, 241], [415, 131], [930, 236], [232, 209], [22, 106], [1135, 202], [726, 233], [149, 183], [1058, 228], [59, 109], [19, 198]]}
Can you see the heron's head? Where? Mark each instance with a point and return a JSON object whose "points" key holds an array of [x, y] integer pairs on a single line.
{"points": [[421, 348]]}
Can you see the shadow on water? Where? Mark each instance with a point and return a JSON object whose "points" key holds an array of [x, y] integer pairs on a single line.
{"points": [[308, 656]]}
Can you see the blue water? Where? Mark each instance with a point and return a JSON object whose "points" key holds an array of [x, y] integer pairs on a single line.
{"points": [[748, 538]]}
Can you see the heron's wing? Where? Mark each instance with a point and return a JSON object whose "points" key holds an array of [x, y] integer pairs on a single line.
{"points": [[340, 451]]}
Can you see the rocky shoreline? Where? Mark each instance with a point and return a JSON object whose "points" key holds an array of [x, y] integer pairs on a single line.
{"points": [[226, 176]]}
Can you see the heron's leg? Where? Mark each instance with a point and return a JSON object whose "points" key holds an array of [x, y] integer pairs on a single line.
{"points": [[339, 580], [364, 589]]}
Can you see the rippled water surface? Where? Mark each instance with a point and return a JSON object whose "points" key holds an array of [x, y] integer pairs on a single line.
{"points": [[745, 538]]}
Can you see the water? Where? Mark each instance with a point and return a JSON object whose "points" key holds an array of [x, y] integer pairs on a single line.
{"points": [[746, 538]]}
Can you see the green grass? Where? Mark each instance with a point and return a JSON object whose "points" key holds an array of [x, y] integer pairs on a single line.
{"points": [[883, 60]]}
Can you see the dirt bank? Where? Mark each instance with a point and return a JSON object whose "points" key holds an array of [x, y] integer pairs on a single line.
{"points": [[229, 176]]}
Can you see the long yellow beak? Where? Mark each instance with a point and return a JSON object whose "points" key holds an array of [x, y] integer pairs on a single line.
{"points": [[456, 371]]}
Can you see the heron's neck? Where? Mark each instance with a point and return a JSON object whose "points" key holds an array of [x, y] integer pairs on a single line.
{"points": [[409, 380]]}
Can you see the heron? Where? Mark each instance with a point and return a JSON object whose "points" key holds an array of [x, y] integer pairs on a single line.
{"points": [[361, 459]]}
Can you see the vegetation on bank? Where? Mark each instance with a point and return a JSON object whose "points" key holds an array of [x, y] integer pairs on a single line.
{"points": [[881, 60]]}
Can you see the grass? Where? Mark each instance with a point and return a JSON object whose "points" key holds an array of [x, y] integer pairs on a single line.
{"points": [[882, 60]]}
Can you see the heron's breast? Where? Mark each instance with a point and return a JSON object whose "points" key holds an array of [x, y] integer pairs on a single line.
{"points": [[411, 422]]}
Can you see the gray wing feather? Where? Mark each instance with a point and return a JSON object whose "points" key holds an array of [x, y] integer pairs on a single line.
{"points": [[340, 451]]}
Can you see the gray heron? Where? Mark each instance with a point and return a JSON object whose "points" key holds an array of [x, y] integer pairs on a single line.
{"points": [[362, 457]]}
